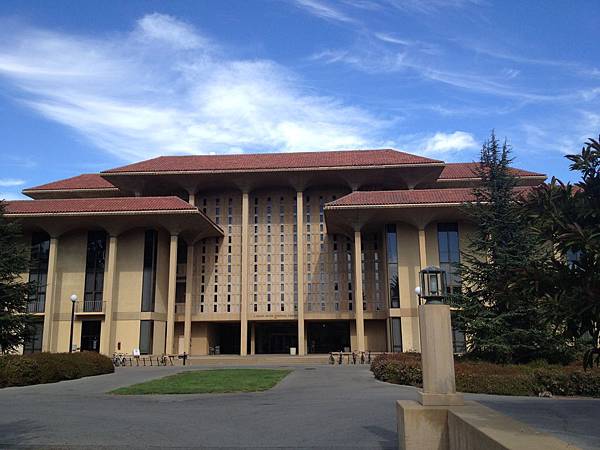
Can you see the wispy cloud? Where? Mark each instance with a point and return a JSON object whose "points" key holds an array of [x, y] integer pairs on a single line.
{"points": [[370, 58], [10, 182], [431, 6], [324, 10], [166, 88]]}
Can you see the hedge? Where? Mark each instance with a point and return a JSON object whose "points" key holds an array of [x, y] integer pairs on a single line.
{"points": [[487, 378], [23, 370]]}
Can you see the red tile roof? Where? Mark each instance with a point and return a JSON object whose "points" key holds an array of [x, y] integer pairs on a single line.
{"points": [[408, 197], [454, 171], [97, 205], [84, 181], [275, 161]]}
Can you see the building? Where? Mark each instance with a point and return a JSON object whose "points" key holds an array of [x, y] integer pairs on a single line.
{"points": [[244, 254]]}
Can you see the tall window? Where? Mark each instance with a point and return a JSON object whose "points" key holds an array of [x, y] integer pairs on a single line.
{"points": [[396, 334], [38, 271], [392, 263], [146, 336], [149, 273], [33, 344], [449, 254], [94, 271]]}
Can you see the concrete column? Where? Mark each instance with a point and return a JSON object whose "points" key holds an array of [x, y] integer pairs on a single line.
{"points": [[171, 294], [300, 264], [107, 343], [437, 359], [244, 276], [192, 198], [358, 290], [189, 293], [422, 249], [49, 303]]}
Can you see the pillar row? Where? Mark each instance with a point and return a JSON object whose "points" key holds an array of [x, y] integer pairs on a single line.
{"points": [[49, 301], [171, 294], [107, 342], [189, 292], [244, 276], [358, 279], [300, 264]]}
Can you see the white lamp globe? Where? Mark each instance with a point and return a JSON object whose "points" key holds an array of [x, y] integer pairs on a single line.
{"points": [[418, 290], [73, 298]]}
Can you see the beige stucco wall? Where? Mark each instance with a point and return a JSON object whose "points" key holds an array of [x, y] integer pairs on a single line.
{"points": [[70, 279], [332, 263], [375, 335]]}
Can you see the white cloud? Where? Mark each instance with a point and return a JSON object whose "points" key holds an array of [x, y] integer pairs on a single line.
{"points": [[9, 182], [169, 30], [441, 143], [164, 88]]}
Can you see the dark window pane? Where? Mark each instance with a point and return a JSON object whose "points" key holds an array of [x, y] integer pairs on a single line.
{"points": [[149, 273], [396, 334], [146, 336]]}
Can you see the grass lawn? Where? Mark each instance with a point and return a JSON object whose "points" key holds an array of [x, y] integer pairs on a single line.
{"points": [[209, 381]]}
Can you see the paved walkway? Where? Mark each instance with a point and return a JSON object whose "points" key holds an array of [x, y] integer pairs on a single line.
{"points": [[317, 406]]}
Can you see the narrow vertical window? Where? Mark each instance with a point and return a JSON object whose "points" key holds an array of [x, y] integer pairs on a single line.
{"points": [[146, 336], [38, 271], [392, 263], [94, 271], [149, 273], [396, 334], [449, 253]]}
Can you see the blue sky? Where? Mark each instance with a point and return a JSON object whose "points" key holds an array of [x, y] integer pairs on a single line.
{"points": [[86, 86]]}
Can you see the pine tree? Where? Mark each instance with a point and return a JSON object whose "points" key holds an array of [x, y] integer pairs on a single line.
{"points": [[502, 322], [14, 320]]}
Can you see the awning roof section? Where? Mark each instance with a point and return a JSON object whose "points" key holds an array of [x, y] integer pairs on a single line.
{"points": [[465, 171], [402, 198], [354, 169], [369, 210], [85, 185], [118, 214], [274, 161]]}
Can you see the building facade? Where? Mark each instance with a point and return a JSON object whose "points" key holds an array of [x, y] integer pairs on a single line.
{"points": [[244, 254]]}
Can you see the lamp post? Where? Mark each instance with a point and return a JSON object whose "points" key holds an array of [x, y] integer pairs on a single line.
{"points": [[433, 285], [73, 301], [437, 359]]}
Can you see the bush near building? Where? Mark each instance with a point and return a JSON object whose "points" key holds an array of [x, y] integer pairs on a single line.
{"points": [[488, 378], [23, 370]]}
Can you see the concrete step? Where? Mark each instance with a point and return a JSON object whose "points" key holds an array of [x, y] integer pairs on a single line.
{"points": [[235, 360]]}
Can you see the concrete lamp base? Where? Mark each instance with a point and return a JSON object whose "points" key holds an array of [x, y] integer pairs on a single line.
{"points": [[428, 399]]}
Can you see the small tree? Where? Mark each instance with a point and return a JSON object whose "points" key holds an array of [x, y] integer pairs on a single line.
{"points": [[567, 217], [14, 320], [498, 314]]}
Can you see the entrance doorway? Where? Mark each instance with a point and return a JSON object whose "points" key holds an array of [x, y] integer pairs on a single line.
{"points": [[276, 338], [325, 337], [90, 335], [224, 339]]}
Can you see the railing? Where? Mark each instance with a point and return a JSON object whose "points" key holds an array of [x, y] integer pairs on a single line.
{"points": [[36, 306], [90, 306], [179, 308]]}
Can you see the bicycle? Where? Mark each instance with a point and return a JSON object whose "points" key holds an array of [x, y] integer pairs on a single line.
{"points": [[119, 359]]}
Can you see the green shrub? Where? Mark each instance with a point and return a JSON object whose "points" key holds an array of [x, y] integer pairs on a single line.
{"points": [[18, 371], [398, 368], [488, 378], [22, 370]]}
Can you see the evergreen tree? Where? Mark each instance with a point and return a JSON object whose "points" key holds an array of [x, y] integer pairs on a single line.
{"points": [[567, 219], [502, 322], [14, 320]]}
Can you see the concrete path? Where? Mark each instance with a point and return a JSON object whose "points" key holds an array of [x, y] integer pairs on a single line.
{"points": [[316, 406]]}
